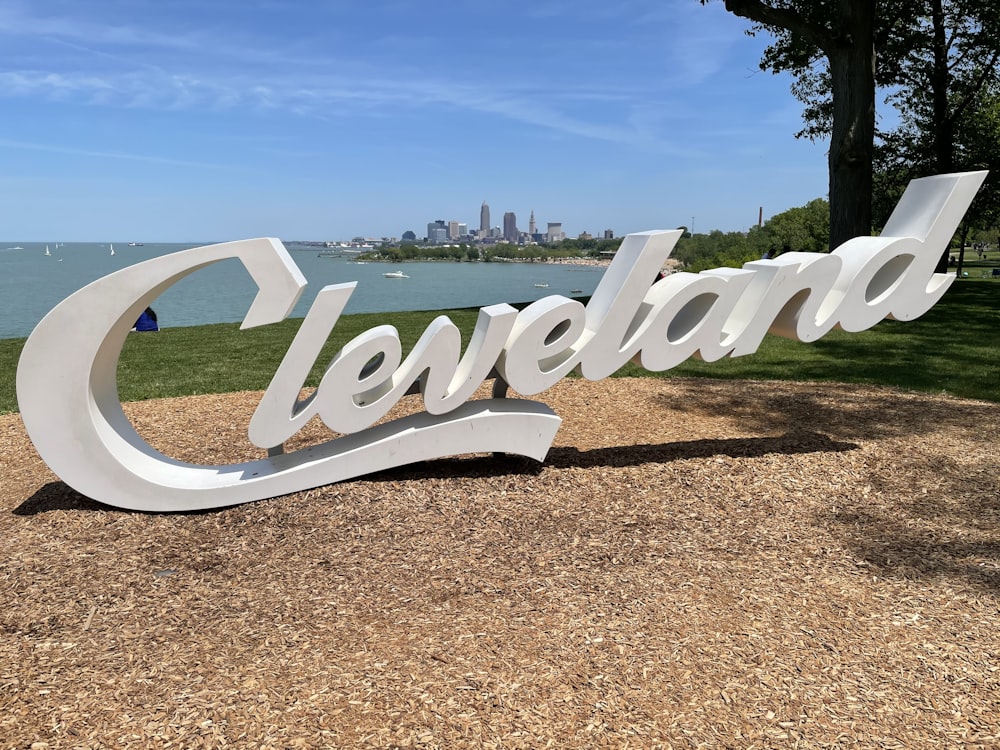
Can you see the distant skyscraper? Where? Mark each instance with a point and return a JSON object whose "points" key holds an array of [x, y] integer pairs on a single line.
{"points": [[509, 227], [452, 230], [484, 219], [437, 231], [555, 233], [531, 223]]}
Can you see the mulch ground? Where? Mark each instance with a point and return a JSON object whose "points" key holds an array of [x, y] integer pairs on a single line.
{"points": [[697, 564]]}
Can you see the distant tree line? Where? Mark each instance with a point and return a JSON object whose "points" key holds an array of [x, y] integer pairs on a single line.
{"points": [[806, 229], [409, 251], [592, 247]]}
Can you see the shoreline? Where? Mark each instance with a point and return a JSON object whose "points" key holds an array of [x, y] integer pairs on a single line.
{"points": [[671, 265]]}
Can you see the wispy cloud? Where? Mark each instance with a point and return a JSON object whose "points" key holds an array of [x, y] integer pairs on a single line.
{"points": [[131, 65], [17, 21], [70, 151], [332, 96]]}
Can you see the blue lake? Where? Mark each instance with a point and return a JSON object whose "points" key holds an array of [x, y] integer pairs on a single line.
{"points": [[32, 283]]}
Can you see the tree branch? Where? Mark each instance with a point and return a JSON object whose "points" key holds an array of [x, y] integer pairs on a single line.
{"points": [[785, 18], [980, 81], [887, 29]]}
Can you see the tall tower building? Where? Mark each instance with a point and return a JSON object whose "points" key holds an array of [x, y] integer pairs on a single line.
{"points": [[484, 219], [509, 227], [531, 223]]}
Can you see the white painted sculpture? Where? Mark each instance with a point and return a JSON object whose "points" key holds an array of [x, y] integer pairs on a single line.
{"points": [[67, 390]]}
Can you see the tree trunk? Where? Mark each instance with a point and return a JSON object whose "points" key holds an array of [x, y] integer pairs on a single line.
{"points": [[847, 38], [961, 252], [943, 126], [852, 73]]}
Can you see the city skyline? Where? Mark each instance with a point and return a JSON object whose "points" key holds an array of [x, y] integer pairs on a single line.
{"points": [[442, 230], [188, 122]]}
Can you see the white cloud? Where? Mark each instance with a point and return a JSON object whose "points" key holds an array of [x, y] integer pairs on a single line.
{"points": [[70, 151]]}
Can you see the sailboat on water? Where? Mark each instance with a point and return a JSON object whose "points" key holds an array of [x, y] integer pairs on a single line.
{"points": [[47, 250], [112, 245]]}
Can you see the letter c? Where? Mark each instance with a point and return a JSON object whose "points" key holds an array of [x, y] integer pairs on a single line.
{"points": [[68, 397]]}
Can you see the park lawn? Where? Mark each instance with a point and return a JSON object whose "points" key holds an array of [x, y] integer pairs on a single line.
{"points": [[952, 349]]}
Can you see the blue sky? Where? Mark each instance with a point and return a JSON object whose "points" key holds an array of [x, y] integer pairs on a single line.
{"points": [[206, 120]]}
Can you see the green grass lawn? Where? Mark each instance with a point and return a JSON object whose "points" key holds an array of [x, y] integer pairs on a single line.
{"points": [[952, 349]]}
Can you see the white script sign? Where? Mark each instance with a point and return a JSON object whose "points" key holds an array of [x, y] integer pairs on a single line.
{"points": [[68, 396]]}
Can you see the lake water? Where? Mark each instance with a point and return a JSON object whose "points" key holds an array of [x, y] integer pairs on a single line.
{"points": [[32, 283]]}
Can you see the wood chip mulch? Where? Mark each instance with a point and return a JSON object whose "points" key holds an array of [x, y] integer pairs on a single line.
{"points": [[697, 564]]}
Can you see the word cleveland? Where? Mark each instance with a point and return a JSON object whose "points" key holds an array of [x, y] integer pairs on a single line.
{"points": [[68, 394]]}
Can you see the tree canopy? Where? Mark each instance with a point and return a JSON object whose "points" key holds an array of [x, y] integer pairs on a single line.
{"points": [[835, 42], [946, 90], [937, 62], [806, 228]]}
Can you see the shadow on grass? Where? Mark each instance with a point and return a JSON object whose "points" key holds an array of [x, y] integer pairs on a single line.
{"points": [[951, 348]]}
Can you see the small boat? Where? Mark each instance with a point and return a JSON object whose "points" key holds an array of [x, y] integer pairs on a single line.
{"points": [[395, 275], [16, 247], [135, 244], [542, 286], [47, 250], [112, 248]]}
